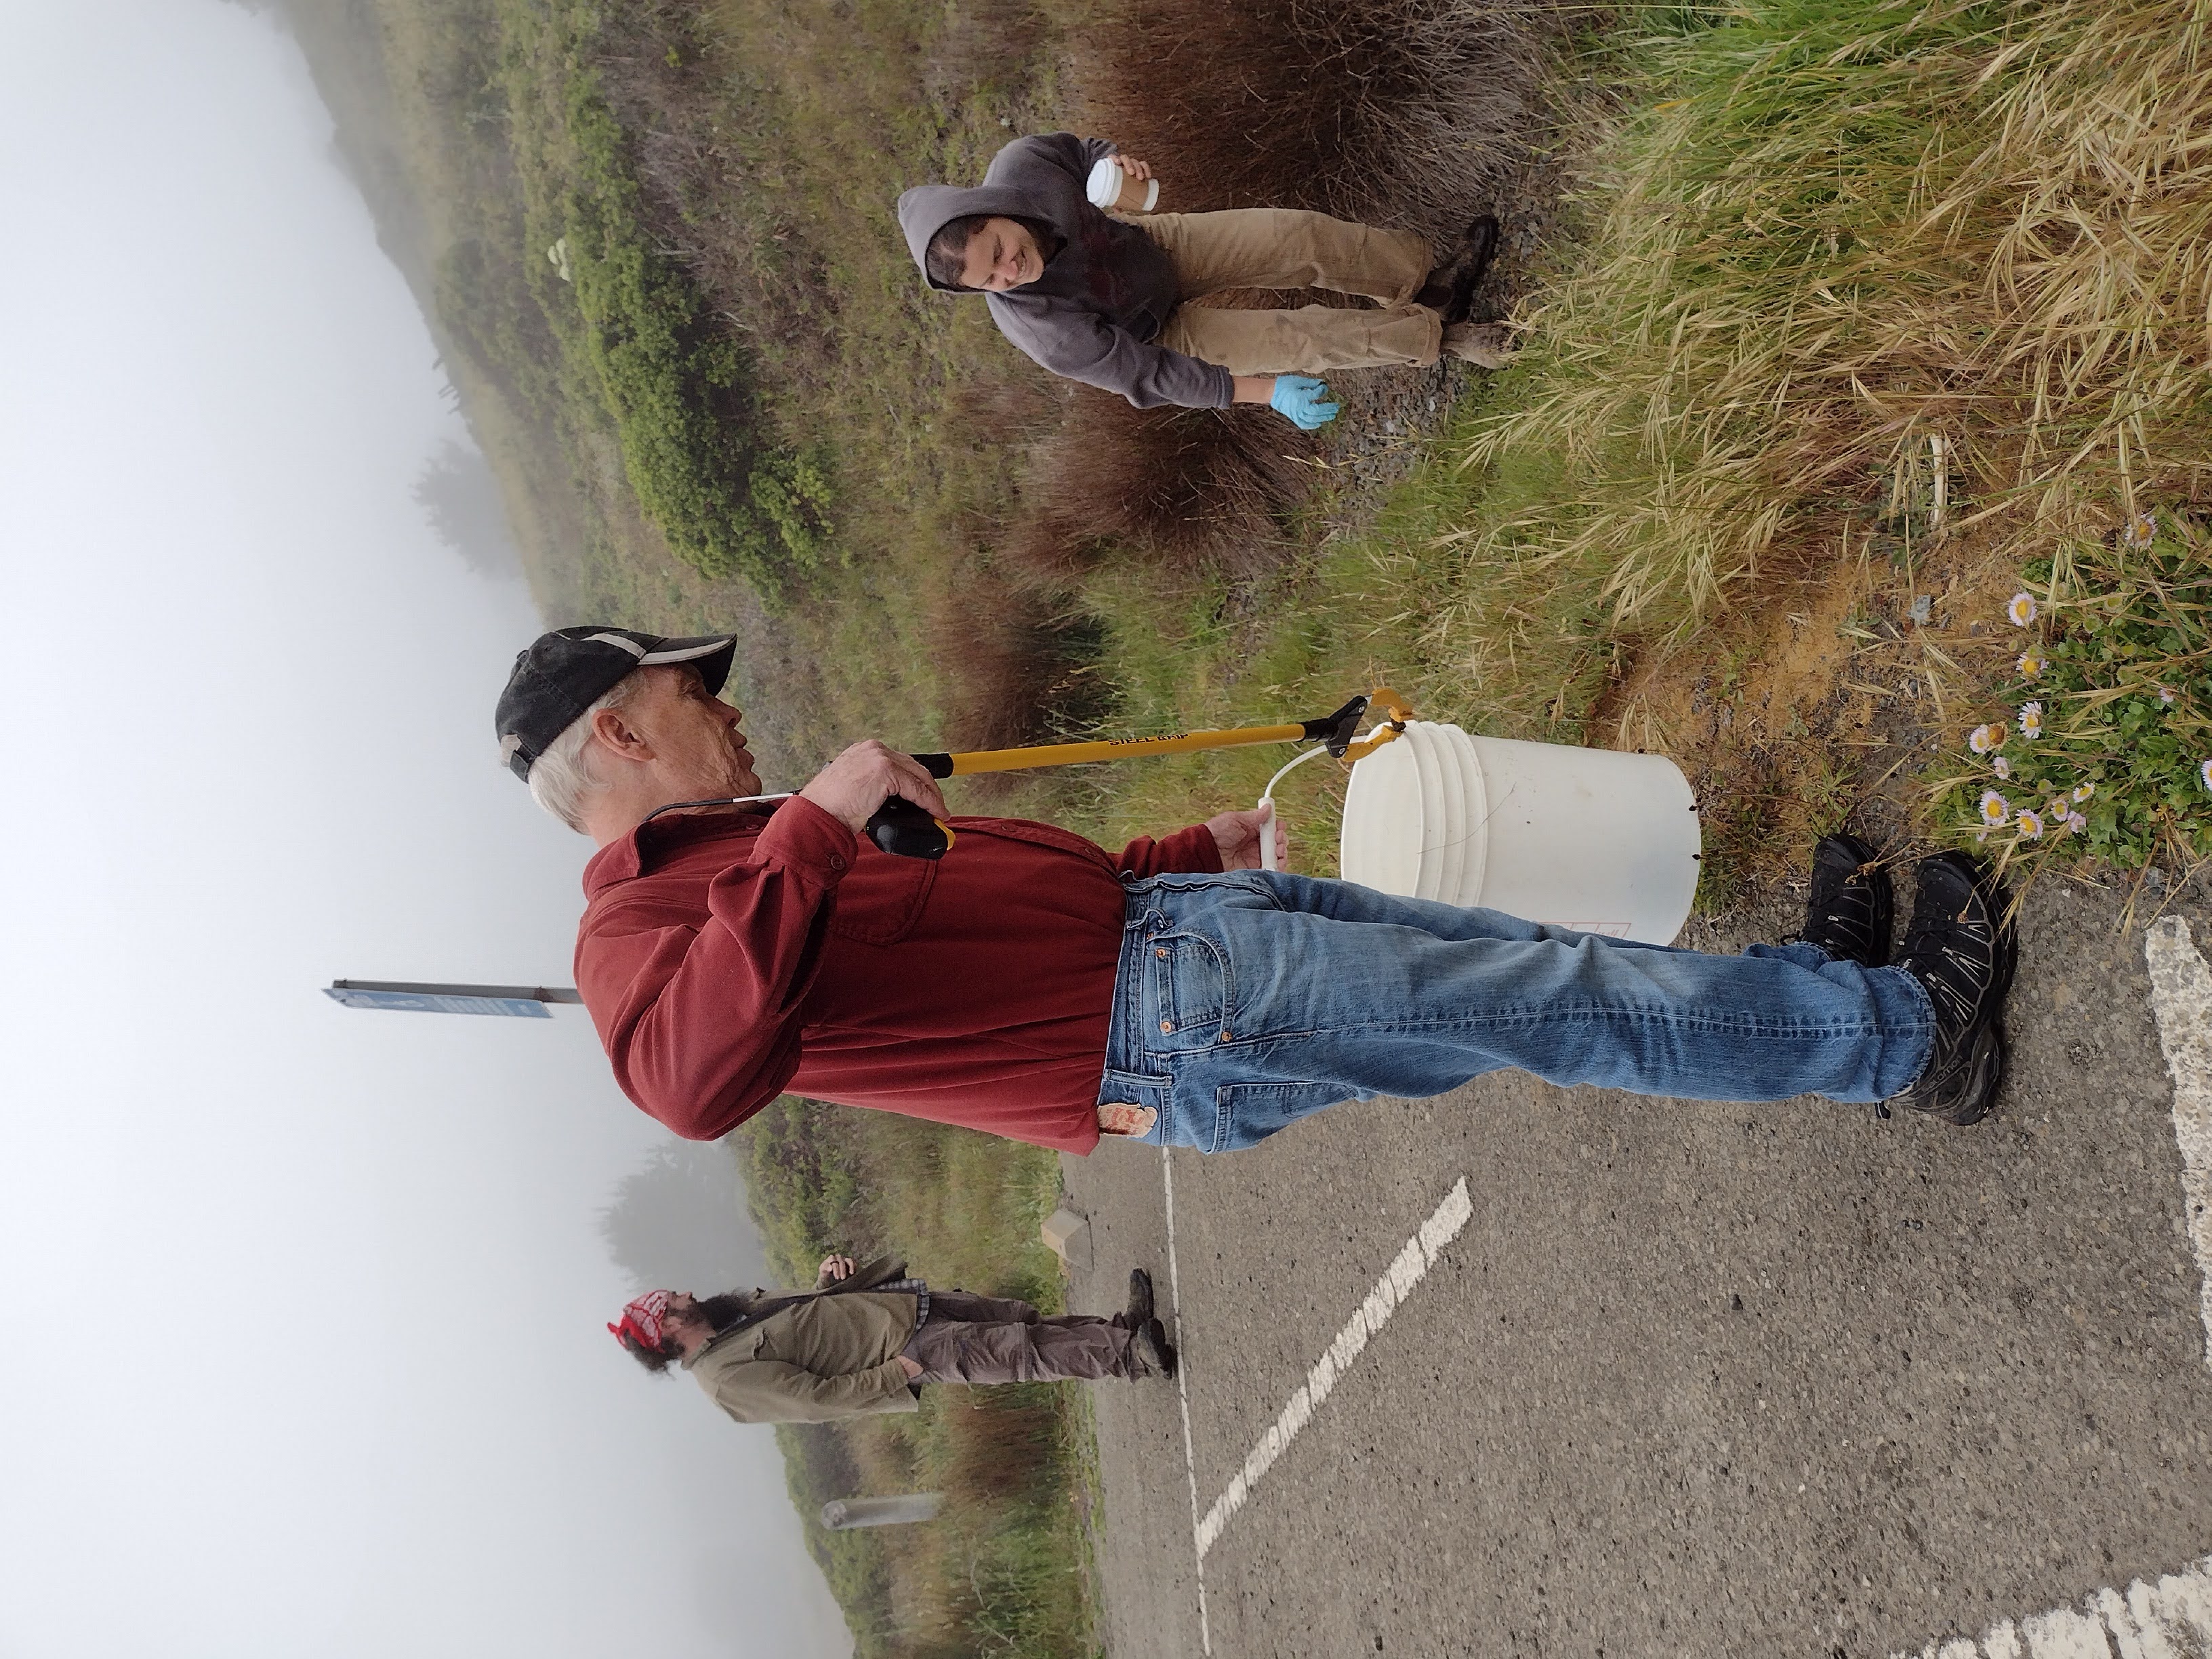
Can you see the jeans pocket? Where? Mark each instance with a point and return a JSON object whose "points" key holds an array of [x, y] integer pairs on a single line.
{"points": [[1246, 1114], [1188, 980]]}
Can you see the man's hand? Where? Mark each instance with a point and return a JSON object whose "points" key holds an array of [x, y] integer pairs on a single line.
{"points": [[912, 1368], [1119, 1117], [852, 787], [834, 1268], [1130, 165], [1237, 834]]}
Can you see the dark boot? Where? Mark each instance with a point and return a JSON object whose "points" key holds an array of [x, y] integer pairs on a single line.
{"points": [[1848, 914], [1449, 288], [1153, 1344], [1962, 947], [1476, 252], [1139, 1311]]}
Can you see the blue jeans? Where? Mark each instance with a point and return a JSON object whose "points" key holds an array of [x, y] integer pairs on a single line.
{"points": [[1245, 1001]]}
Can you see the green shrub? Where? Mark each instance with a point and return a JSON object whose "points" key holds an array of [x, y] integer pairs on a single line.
{"points": [[674, 384]]}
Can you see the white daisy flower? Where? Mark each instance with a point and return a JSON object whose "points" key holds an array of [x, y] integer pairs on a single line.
{"points": [[2022, 610], [2030, 825], [2002, 767], [2205, 773], [2083, 790], [2031, 662], [2165, 694], [2076, 823], [2031, 719], [1983, 739], [1995, 809], [2057, 809], [2141, 531]]}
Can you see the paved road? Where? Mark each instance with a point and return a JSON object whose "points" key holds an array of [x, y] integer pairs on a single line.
{"points": [[1692, 1379]]}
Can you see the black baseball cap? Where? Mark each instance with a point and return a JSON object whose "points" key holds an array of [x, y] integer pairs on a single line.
{"points": [[566, 671]]}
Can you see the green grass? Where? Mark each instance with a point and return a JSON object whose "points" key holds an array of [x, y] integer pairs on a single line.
{"points": [[1206, 651], [1826, 232]]}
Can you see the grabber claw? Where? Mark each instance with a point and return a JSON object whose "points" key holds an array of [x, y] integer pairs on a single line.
{"points": [[1393, 711], [1335, 731]]}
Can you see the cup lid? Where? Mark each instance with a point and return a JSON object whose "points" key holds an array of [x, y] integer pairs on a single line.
{"points": [[1104, 184]]}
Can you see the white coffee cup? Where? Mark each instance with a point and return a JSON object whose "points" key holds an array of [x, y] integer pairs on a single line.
{"points": [[1110, 188]]}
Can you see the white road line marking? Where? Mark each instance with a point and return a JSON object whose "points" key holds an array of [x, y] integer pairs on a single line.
{"points": [[1183, 1394], [1397, 1283], [2170, 1619], [2181, 998]]}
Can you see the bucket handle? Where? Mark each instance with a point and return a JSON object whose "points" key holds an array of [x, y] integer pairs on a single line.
{"points": [[1395, 712], [1267, 806]]}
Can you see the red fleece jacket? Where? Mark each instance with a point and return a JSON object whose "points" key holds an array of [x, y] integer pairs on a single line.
{"points": [[727, 957]]}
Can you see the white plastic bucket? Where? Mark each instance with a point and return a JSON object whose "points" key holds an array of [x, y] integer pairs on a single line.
{"points": [[1590, 839]]}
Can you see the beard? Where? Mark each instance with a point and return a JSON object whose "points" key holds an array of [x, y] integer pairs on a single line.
{"points": [[721, 1312]]}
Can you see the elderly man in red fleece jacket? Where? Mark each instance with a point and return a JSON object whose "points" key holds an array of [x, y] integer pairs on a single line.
{"points": [[1031, 985], [728, 955]]}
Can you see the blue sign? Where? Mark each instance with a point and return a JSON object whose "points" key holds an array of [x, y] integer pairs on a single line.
{"points": [[423, 1002]]}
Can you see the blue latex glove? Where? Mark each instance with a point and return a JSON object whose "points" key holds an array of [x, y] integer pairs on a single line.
{"points": [[1302, 401]]}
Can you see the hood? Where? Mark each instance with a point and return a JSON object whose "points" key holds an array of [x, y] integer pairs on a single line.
{"points": [[927, 209]]}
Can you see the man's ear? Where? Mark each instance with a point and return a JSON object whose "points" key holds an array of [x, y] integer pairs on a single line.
{"points": [[611, 729]]}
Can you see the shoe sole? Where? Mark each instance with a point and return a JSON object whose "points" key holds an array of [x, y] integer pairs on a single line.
{"points": [[1989, 1070], [1986, 1064], [1884, 895], [1160, 1352], [1973, 1101]]}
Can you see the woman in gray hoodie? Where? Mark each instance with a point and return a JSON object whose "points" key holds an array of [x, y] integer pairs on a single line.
{"points": [[1098, 297]]}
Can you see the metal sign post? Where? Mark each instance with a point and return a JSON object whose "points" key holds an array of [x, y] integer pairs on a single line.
{"points": [[518, 1002], [843, 1514]]}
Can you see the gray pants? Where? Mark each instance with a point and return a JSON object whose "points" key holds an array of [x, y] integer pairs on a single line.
{"points": [[988, 1338]]}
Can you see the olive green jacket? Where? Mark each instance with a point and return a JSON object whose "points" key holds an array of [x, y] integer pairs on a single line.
{"points": [[833, 1353]]}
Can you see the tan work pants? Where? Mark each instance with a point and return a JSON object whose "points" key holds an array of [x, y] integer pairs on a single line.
{"points": [[988, 1339], [1282, 247]]}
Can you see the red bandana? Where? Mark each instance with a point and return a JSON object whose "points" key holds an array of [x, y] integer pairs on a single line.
{"points": [[641, 1321]]}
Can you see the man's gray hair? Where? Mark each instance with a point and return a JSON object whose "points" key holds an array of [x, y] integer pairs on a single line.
{"points": [[565, 776]]}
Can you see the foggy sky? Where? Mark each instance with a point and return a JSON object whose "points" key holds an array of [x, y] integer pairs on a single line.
{"points": [[304, 1307]]}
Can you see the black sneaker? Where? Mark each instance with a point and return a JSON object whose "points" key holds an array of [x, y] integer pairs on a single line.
{"points": [[1849, 913], [1151, 1342], [1962, 946], [1140, 1312]]}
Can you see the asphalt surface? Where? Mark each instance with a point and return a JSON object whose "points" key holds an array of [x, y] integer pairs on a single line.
{"points": [[1694, 1379]]}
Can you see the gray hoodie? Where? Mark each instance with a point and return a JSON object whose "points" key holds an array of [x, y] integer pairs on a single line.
{"points": [[1094, 313]]}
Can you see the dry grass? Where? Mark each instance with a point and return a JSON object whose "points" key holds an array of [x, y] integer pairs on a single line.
{"points": [[1184, 486], [1406, 113], [1843, 232]]}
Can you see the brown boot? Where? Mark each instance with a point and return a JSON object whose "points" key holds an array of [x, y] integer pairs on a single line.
{"points": [[1486, 345]]}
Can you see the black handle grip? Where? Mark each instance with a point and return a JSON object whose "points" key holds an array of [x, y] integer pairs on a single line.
{"points": [[907, 831]]}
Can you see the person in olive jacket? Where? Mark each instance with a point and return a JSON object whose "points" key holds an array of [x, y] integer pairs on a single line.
{"points": [[864, 1339]]}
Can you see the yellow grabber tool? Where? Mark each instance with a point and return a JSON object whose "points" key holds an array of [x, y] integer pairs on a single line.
{"points": [[910, 831], [899, 826]]}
